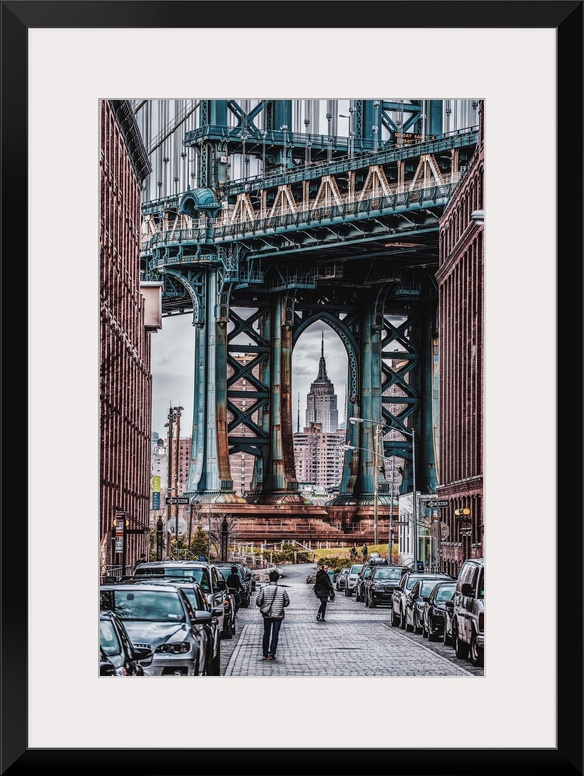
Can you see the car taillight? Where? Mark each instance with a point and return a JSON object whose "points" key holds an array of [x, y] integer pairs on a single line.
{"points": [[482, 621]]}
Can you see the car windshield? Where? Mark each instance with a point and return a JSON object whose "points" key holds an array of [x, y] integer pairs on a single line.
{"points": [[445, 592], [388, 572], [428, 586], [108, 638], [200, 573], [154, 606], [411, 582], [356, 569]]}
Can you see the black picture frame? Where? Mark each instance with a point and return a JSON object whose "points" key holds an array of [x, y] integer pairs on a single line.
{"points": [[566, 18]]}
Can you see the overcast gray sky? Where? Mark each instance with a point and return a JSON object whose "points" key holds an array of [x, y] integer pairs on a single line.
{"points": [[173, 370]]}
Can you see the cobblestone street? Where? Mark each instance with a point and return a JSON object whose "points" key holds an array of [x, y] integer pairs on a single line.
{"points": [[355, 641]]}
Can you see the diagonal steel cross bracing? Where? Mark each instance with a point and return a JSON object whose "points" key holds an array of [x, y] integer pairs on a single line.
{"points": [[353, 243]]}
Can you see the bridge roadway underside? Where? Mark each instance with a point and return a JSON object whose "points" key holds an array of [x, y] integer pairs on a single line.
{"points": [[306, 523]]}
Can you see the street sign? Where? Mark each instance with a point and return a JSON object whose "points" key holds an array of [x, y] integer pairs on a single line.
{"points": [[179, 500], [442, 504]]}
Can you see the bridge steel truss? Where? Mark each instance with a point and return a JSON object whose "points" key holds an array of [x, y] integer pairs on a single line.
{"points": [[351, 241]]}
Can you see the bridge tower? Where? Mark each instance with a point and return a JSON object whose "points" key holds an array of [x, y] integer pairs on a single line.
{"points": [[337, 228]]}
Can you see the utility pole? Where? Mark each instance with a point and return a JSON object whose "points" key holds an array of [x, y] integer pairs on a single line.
{"points": [[170, 426], [391, 515]]}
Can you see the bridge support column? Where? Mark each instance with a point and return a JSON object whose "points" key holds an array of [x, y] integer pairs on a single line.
{"points": [[280, 478], [210, 473], [370, 409]]}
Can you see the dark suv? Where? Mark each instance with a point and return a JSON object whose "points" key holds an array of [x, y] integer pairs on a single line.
{"points": [[379, 586], [468, 611]]}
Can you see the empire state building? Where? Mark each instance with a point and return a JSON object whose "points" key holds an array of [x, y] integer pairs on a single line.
{"points": [[321, 401]]}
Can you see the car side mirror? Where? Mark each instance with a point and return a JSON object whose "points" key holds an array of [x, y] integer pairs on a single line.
{"points": [[466, 589], [217, 611], [202, 616], [221, 585]]}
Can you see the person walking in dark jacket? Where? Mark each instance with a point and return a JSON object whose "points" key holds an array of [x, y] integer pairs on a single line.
{"points": [[272, 599], [235, 584], [323, 587]]}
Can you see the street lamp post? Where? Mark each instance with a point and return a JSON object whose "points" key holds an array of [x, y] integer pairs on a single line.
{"points": [[412, 433], [375, 486], [330, 139], [177, 411]]}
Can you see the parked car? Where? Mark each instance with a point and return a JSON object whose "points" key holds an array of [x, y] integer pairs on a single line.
{"points": [[416, 600], [159, 618], [364, 574], [380, 584], [208, 577], [468, 611], [352, 578], [434, 610], [118, 655], [225, 569], [375, 557], [210, 632], [398, 597], [342, 578]]}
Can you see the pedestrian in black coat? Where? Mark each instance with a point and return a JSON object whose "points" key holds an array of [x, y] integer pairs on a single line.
{"points": [[235, 584], [323, 587]]}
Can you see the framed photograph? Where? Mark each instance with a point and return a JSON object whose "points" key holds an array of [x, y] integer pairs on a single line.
{"points": [[525, 60]]}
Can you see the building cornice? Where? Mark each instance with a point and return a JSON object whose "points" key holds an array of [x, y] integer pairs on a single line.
{"points": [[129, 128]]}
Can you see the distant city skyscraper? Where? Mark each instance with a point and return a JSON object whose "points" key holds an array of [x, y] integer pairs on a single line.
{"points": [[321, 401]]}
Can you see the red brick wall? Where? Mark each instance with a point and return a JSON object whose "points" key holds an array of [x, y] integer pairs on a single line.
{"points": [[125, 378], [461, 330]]}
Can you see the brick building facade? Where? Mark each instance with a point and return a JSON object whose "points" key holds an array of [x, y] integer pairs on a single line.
{"points": [[128, 315], [460, 279]]}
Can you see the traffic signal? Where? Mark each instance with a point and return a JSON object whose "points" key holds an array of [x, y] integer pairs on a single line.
{"points": [[459, 512]]}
